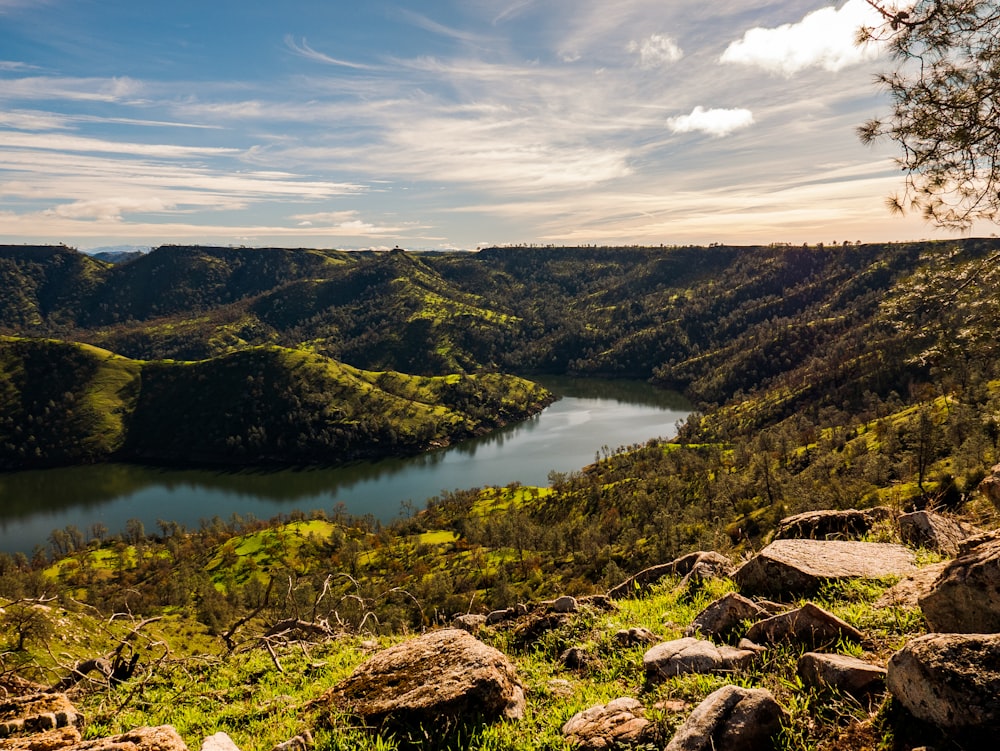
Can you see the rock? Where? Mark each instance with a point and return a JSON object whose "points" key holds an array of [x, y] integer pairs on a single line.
{"points": [[219, 742], [617, 724], [990, 486], [689, 655], [731, 719], [709, 563], [950, 680], [35, 713], [162, 738], [559, 687], [600, 602], [906, 593], [721, 617], [578, 658], [843, 524], [633, 637], [432, 679], [301, 742], [565, 604], [788, 567], [965, 598], [841, 672], [50, 740], [935, 531], [809, 624], [497, 616], [469, 622], [751, 646]]}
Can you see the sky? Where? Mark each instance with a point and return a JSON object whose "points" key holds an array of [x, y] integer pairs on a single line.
{"points": [[431, 124]]}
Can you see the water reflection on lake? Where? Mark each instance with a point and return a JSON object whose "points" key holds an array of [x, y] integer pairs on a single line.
{"points": [[592, 414]]}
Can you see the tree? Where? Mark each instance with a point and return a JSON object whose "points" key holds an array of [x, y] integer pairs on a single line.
{"points": [[945, 115]]}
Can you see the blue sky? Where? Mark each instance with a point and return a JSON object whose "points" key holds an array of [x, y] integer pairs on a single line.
{"points": [[440, 123]]}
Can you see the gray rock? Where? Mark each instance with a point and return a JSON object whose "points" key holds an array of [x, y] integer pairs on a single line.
{"points": [[935, 531], [496, 616], [565, 604], [219, 742], [731, 719], [617, 724], [301, 742], [841, 672], [809, 624], [845, 524], [724, 615], [432, 680], [949, 680], [965, 598], [633, 637], [470, 622], [789, 567], [689, 655]]}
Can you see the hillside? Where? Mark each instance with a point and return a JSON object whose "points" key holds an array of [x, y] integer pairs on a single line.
{"points": [[69, 403]]}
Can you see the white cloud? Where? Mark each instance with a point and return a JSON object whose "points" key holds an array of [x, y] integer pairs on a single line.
{"points": [[715, 122], [71, 89], [309, 53], [824, 38], [656, 50], [108, 209]]}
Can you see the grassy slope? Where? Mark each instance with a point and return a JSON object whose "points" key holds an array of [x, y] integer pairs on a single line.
{"points": [[68, 403]]}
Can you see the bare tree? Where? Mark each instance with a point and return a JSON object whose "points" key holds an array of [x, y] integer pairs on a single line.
{"points": [[945, 115]]}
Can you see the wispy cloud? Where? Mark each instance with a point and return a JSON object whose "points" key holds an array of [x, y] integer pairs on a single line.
{"points": [[428, 24], [304, 50], [349, 223], [14, 65], [714, 122], [656, 50], [824, 38], [71, 89]]}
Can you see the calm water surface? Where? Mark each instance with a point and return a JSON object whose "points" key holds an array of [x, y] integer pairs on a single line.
{"points": [[563, 438]]}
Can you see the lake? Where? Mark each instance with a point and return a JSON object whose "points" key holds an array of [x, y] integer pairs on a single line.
{"points": [[566, 436]]}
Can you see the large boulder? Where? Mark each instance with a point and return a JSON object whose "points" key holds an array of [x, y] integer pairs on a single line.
{"points": [[433, 680], [845, 524], [50, 740], [724, 615], [731, 719], [965, 598], [690, 655], [809, 624], [790, 567], [927, 529], [617, 724], [950, 680], [841, 672]]}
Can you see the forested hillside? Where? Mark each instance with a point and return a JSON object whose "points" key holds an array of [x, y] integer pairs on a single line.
{"points": [[64, 402]]}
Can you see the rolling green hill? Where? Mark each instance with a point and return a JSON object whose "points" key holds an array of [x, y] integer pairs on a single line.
{"points": [[68, 402]]}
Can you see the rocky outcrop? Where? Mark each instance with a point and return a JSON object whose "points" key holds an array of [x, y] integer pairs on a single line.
{"points": [[617, 724], [470, 622], [846, 524], [950, 680], [219, 742], [699, 565], [790, 567], [841, 672], [724, 615], [731, 719], [809, 624], [432, 680], [35, 713], [943, 534], [634, 637], [50, 740], [965, 598], [689, 655], [162, 738]]}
